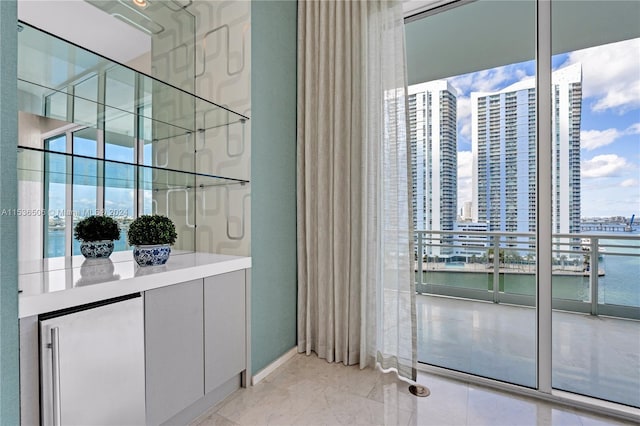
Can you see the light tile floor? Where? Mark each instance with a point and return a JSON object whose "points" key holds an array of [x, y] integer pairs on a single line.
{"points": [[310, 391]]}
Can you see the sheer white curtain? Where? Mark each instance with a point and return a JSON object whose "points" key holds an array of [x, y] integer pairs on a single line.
{"points": [[355, 285], [388, 290]]}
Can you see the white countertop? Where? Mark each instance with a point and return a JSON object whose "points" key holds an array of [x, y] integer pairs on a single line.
{"points": [[58, 283]]}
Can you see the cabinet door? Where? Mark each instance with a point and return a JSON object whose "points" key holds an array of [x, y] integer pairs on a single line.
{"points": [[92, 365], [224, 328], [174, 349]]}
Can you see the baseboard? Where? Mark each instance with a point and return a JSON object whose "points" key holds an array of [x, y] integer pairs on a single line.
{"points": [[205, 404], [260, 375]]}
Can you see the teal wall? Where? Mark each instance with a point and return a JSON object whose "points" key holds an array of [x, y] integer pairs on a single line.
{"points": [[9, 343], [273, 180]]}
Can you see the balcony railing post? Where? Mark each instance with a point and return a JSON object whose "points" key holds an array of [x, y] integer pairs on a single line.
{"points": [[496, 269], [593, 275]]}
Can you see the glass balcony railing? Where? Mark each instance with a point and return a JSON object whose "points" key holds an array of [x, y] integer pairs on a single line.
{"points": [[595, 273], [592, 274]]}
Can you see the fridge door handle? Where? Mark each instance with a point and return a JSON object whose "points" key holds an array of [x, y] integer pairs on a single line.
{"points": [[55, 375]]}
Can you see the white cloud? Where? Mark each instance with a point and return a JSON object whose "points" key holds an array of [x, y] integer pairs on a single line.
{"points": [[610, 75], [464, 117], [634, 129], [592, 139], [489, 80], [465, 164], [522, 74], [607, 165], [628, 183], [492, 80]]}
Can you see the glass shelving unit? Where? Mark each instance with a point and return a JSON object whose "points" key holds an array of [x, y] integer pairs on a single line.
{"points": [[87, 123]]}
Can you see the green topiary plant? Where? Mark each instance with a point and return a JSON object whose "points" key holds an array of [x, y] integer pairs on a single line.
{"points": [[97, 228], [152, 230]]}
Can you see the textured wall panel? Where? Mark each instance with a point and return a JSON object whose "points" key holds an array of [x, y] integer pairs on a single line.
{"points": [[173, 48], [219, 64], [172, 61], [223, 75]]}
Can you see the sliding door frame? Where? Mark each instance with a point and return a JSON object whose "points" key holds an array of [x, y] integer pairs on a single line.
{"points": [[544, 201], [544, 387]]}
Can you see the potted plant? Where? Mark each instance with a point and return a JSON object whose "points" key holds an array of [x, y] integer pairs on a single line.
{"points": [[96, 235], [152, 237]]}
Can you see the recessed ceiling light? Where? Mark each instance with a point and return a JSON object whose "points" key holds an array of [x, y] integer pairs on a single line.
{"points": [[140, 3]]}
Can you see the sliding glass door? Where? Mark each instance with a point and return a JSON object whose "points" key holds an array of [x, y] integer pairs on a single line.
{"points": [[472, 107], [596, 260], [525, 139]]}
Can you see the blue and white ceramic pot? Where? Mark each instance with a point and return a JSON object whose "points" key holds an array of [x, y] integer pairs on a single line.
{"points": [[96, 249], [151, 255]]}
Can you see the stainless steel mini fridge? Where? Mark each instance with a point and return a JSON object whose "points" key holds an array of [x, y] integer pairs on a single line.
{"points": [[92, 364]]}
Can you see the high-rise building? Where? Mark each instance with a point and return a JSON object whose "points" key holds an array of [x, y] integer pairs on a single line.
{"points": [[465, 214], [504, 154], [469, 246], [434, 162]]}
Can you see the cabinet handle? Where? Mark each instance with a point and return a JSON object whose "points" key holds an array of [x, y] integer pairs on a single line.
{"points": [[55, 375]]}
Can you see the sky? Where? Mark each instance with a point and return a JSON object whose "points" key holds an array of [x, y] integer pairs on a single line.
{"points": [[610, 125]]}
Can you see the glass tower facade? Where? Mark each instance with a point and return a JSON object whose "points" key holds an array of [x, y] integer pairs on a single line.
{"points": [[434, 163], [504, 155]]}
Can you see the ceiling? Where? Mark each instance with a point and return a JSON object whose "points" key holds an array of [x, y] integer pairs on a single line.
{"points": [[490, 33], [83, 24]]}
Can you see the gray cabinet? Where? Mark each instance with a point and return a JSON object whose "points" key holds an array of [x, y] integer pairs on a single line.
{"points": [[92, 365], [225, 335], [195, 342], [174, 349]]}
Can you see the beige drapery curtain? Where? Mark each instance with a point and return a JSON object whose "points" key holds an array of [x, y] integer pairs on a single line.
{"points": [[355, 286]]}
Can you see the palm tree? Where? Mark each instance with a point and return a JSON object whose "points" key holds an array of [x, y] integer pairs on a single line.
{"points": [[529, 258]]}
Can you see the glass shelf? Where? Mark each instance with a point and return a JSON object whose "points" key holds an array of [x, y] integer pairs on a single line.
{"points": [[35, 164], [94, 114], [52, 73]]}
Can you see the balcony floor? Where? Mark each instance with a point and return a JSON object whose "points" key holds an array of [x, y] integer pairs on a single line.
{"points": [[592, 355]]}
